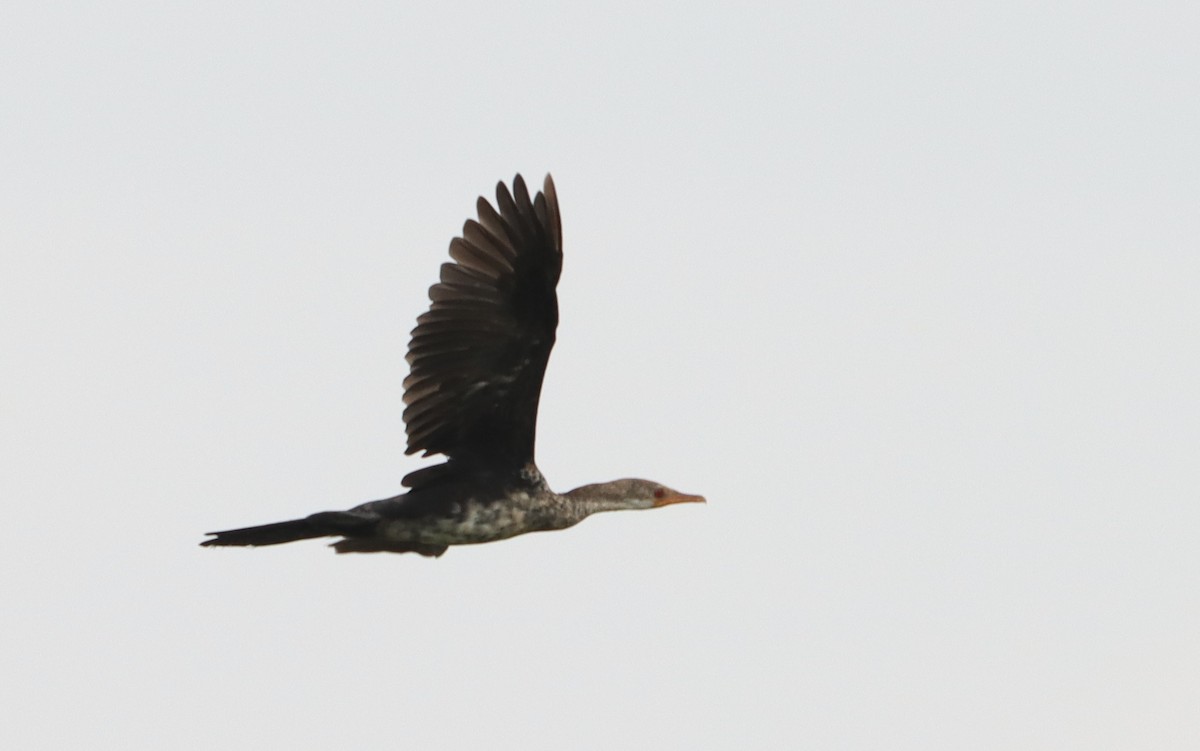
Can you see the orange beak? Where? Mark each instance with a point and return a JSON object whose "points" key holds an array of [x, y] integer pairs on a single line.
{"points": [[673, 497]]}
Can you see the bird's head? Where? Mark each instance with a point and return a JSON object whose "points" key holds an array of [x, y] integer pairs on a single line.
{"points": [[629, 493]]}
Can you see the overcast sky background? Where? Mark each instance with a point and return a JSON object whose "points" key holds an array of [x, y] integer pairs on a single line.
{"points": [[908, 291]]}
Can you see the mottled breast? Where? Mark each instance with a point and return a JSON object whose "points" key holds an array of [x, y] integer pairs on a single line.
{"points": [[474, 521]]}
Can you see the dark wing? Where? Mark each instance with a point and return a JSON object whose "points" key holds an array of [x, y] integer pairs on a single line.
{"points": [[479, 353]]}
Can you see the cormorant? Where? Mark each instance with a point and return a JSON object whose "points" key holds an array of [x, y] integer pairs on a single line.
{"points": [[477, 359]]}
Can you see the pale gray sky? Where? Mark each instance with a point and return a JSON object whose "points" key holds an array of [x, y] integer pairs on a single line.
{"points": [[908, 291]]}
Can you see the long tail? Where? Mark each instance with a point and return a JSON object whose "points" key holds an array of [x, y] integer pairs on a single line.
{"points": [[324, 524], [266, 534]]}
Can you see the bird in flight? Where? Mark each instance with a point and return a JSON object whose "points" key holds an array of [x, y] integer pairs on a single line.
{"points": [[476, 358]]}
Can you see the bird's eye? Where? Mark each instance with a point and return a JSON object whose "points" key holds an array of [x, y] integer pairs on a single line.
{"points": [[660, 493]]}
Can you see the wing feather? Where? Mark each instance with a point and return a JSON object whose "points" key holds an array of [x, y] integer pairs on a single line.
{"points": [[478, 355]]}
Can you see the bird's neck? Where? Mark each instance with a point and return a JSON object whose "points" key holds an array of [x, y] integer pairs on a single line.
{"points": [[584, 501]]}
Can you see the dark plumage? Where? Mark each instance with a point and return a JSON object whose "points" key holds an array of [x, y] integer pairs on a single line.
{"points": [[477, 359]]}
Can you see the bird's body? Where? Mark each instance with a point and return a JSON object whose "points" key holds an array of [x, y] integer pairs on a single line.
{"points": [[477, 359], [470, 510]]}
